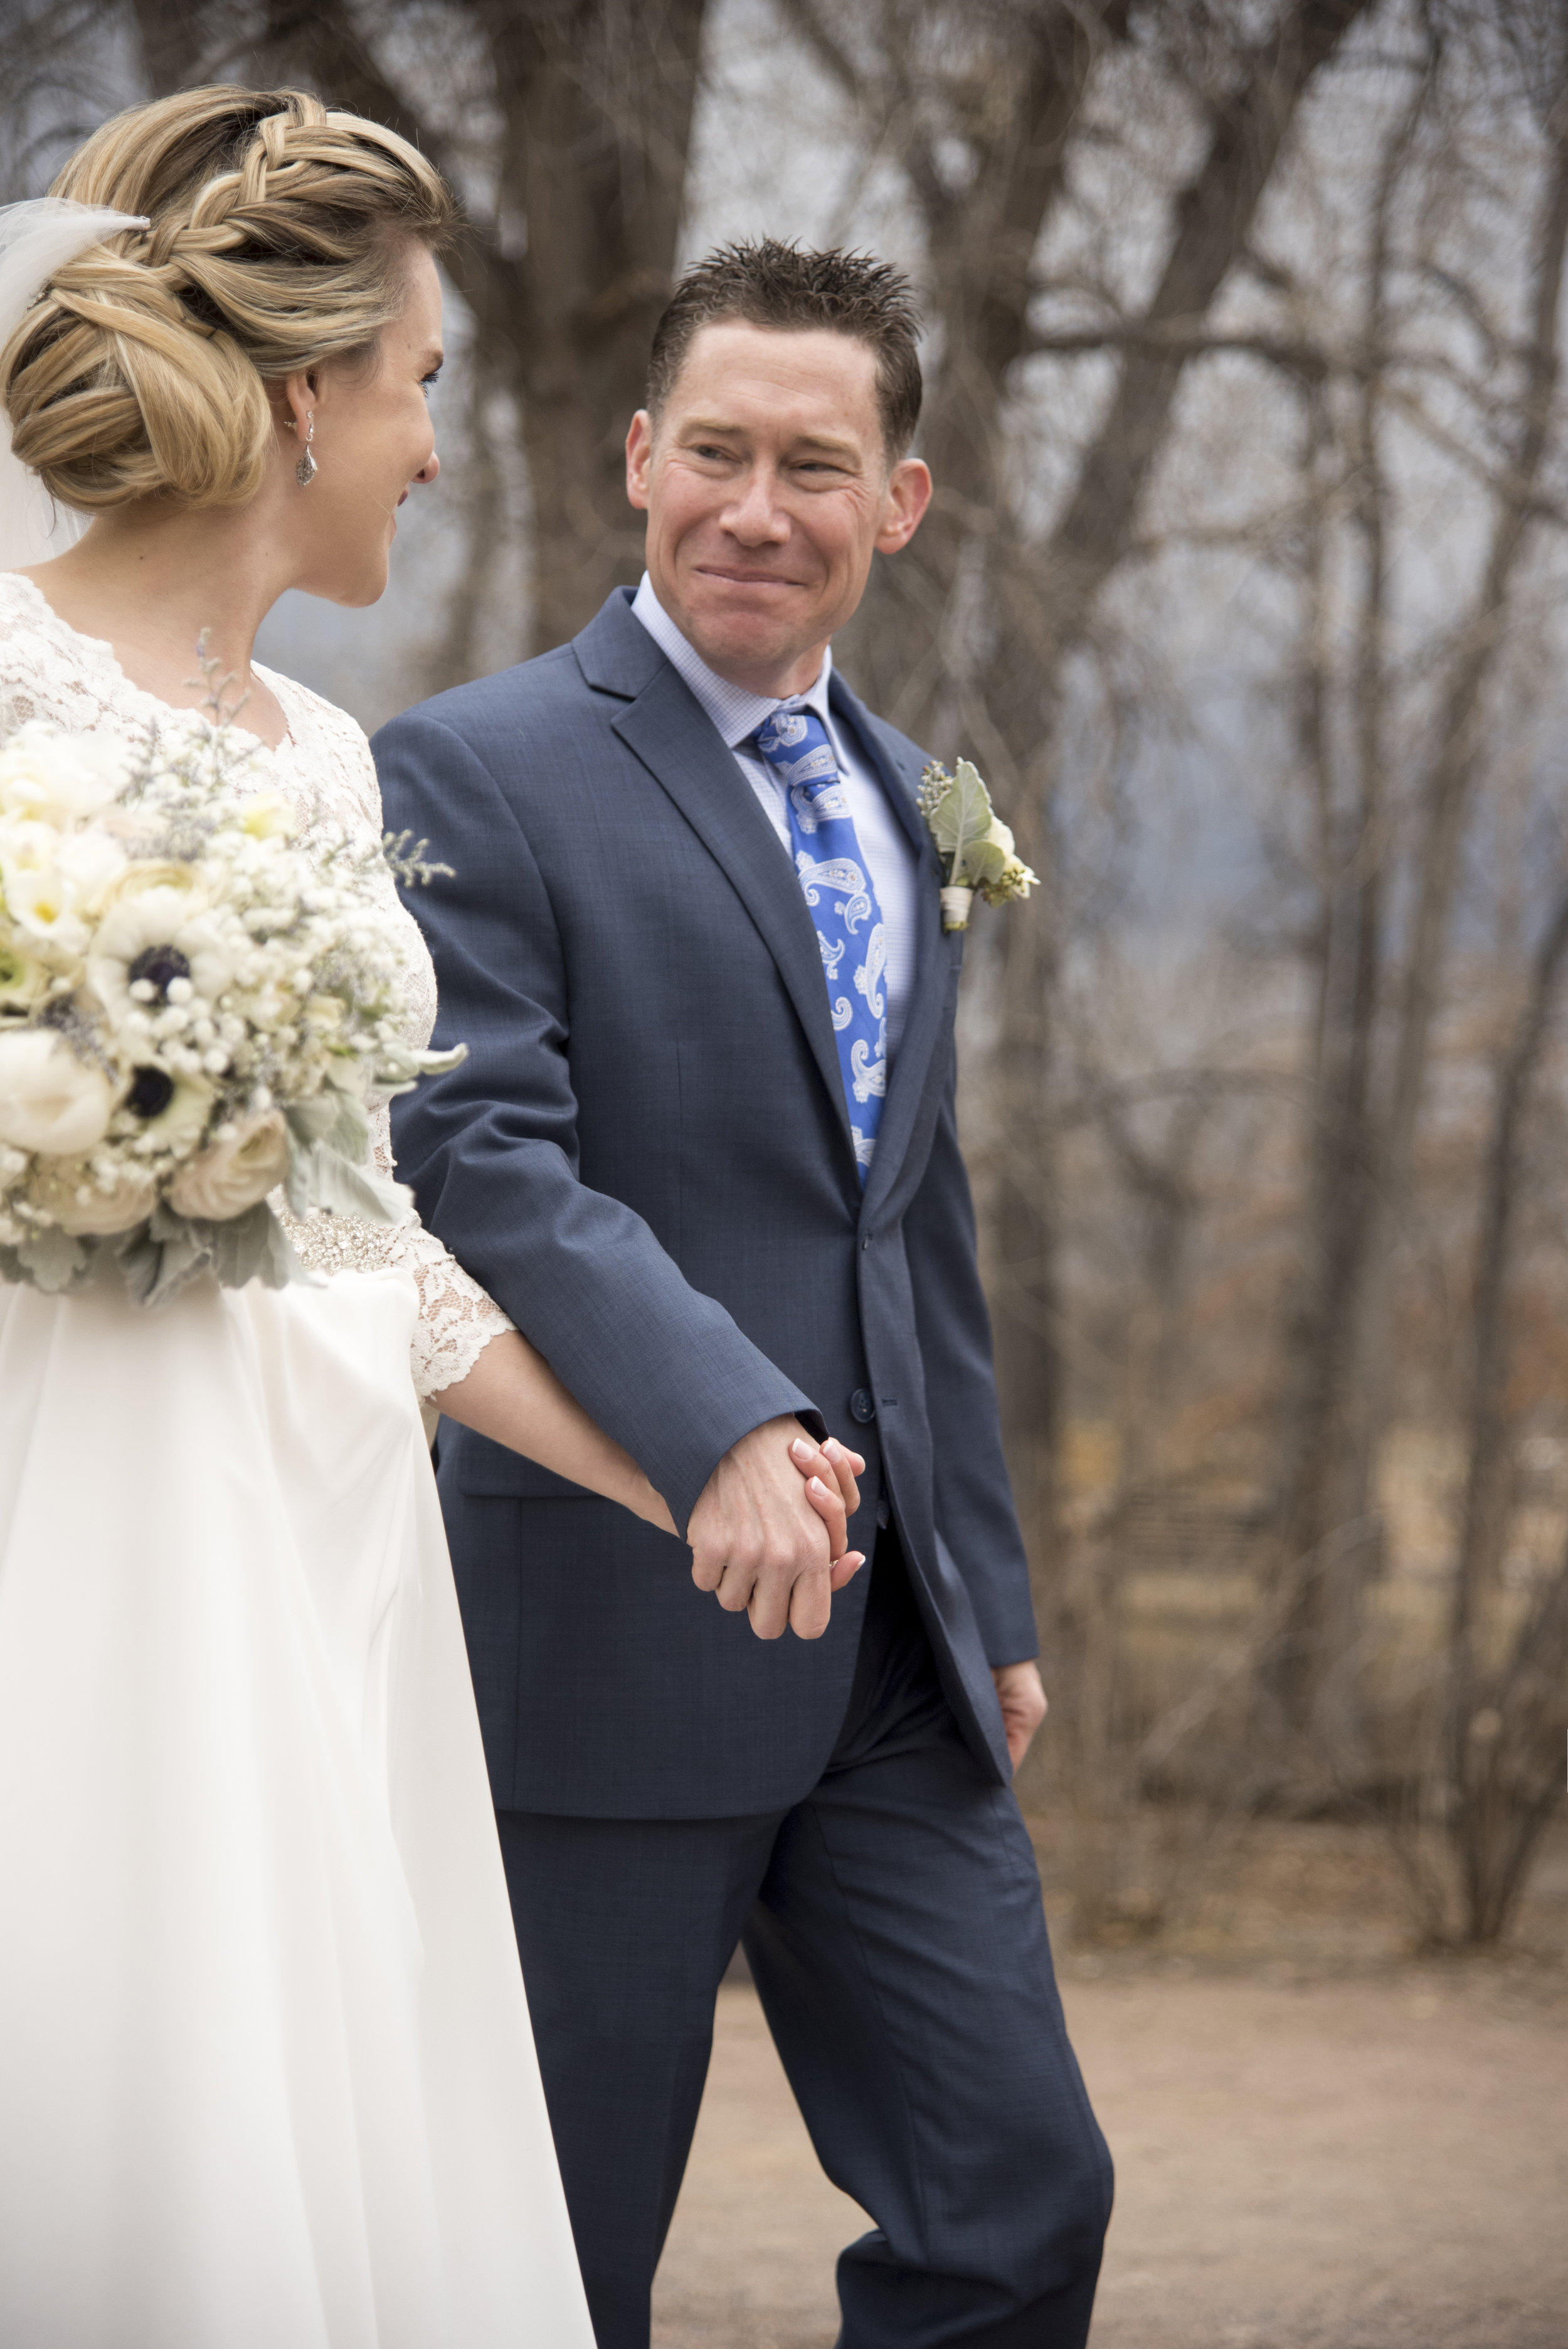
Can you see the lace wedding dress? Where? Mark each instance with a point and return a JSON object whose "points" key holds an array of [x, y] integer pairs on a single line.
{"points": [[266, 2074]]}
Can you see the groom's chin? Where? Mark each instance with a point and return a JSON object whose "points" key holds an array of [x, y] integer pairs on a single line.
{"points": [[759, 628]]}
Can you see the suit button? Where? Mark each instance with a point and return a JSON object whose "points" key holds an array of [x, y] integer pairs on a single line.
{"points": [[862, 1405]]}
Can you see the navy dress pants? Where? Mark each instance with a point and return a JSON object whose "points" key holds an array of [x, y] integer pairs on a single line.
{"points": [[894, 1930]]}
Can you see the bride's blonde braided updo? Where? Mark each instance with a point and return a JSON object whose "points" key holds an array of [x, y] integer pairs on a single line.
{"points": [[279, 238]]}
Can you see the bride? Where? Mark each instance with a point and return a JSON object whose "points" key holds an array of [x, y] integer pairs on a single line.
{"points": [[266, 2076]]}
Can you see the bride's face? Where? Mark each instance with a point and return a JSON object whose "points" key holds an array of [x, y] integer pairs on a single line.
{"points": [[373, 442]]}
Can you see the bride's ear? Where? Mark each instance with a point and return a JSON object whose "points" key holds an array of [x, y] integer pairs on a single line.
{"points": [[296, 399]]}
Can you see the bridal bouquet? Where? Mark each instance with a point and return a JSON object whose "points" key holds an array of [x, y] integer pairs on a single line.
{"points": [[974, 845], [192, 1011]]}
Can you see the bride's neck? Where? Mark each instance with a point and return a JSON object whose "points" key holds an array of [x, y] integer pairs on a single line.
{"points": [[149, 578]]}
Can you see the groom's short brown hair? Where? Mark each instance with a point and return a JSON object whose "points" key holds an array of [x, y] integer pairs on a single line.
{"points": [[768, 284]]}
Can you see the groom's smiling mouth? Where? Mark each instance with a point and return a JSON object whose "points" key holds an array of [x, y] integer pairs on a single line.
{"points": [[735, 578]]}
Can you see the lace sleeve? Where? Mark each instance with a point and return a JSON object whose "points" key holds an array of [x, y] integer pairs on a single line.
{"points": [[457, 1318]]}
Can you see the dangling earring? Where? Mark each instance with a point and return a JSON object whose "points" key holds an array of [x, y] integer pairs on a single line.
{"points": [[306, 470]]}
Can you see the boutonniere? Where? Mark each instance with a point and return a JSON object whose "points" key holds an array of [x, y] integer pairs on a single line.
{"points": [[974, 845]]}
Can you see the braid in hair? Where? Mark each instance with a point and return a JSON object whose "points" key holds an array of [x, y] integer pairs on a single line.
{"points": [[277, 237]]}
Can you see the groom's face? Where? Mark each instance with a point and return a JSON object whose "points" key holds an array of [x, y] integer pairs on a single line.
{"points": [[767, 489]]}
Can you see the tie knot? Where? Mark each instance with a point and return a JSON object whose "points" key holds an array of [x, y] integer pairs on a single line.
{"points": [[796, 746]]}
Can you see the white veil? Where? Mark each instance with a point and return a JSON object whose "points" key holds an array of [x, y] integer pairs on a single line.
{"points": [[36, 239]]}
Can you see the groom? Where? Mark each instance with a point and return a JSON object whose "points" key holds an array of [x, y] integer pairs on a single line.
{"points": [[702, 1150]]}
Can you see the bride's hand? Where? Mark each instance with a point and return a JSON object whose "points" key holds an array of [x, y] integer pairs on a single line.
{"points": [[831, 1470]]}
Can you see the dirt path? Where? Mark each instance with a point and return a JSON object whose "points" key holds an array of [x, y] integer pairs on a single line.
{"points": [[1354, 2164]]}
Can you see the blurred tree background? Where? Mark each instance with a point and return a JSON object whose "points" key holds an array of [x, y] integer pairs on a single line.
{"points": [[1245, 586]]}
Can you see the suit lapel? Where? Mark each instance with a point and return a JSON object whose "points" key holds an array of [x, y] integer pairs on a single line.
{"points": [[665, 727], [678, 745]]}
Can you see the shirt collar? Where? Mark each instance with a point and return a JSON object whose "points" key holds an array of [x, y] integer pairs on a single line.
{"points": [[736, 712]]}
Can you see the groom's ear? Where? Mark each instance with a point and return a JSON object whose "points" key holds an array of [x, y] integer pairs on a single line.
{"points": [[639, 458], [908, 495]]}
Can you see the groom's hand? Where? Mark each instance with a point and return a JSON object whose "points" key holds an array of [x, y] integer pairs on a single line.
{"points": [[756, 1542], [1023, 1702]]}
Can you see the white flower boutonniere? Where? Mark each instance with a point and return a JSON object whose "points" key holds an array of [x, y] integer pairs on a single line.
{"points": [[974, 844]]}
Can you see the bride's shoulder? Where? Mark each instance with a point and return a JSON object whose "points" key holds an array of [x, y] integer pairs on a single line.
{"points": [[315, 714], [46, 670]]}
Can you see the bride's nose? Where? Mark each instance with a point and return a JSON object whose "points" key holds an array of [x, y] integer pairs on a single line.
{"points": [[428, 472]]}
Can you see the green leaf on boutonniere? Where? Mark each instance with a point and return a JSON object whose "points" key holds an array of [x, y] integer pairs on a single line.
{"points": [[976, 847], [957, 811]]}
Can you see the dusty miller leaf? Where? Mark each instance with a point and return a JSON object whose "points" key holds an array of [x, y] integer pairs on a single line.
{"points": [[52, 1259], [253, 1246], [163, 1256], [318, 1177]]}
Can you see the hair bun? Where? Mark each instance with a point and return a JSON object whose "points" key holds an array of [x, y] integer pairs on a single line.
{"points": [[276, 242]]}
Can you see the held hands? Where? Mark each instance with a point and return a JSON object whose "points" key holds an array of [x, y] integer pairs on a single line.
{"points": [[769, 1531]]}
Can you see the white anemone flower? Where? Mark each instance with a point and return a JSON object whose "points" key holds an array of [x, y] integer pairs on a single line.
{"points": [[174, 1110], [157, 934]]}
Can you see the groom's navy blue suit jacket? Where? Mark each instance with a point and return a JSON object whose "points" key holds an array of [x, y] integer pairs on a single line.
{"points": [[646, 1158]]}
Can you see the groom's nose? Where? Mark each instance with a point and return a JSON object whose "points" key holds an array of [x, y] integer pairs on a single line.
{"points": [[754, 515]]}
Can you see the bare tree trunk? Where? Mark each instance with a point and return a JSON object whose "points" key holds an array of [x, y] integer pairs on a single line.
{"points": [[1326, 1469], [1039, 612], [1513, 1769], [597, 96], [1337, 1396], [1504, 1741]]}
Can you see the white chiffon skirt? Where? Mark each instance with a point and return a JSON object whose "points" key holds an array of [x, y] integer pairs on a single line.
{"points": [[266, 2074]]}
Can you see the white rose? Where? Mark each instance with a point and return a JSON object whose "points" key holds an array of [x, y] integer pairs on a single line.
{"points": [[129, 1201], [91, 861], [148, 873], [49, 1100], [227, 1177], [64, 778]]}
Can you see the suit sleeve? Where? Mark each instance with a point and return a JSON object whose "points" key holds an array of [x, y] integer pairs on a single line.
{"points": [[491, 1149], [975, 1511]]}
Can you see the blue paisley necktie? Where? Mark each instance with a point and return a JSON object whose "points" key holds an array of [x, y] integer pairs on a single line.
{"points": [[838, 885]]}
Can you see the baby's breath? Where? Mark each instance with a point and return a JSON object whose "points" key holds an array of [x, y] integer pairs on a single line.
{"points": [[202, 971]]}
